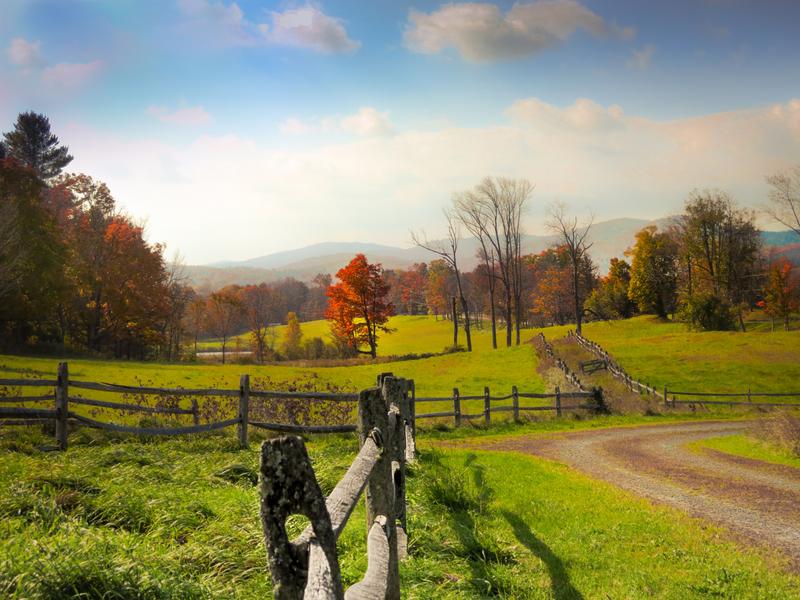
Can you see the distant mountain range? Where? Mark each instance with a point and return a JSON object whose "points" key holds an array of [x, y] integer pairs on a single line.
{"points": [[610, 239]]}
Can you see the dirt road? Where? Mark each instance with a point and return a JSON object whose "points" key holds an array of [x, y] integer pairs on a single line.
{"points": [[756, 500]]}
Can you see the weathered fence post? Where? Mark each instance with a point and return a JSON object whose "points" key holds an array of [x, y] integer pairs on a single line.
{"points": [[487, 405], [289, 486], [373, 414], [411, 421], [195, 412], [392, 390], [456, 407], [515, 402], [749, 398], [558, 401], [244, 408], [62, 405], [666, 402]]}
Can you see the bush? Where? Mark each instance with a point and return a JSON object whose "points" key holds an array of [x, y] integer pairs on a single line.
{"points": [[708, 312]]}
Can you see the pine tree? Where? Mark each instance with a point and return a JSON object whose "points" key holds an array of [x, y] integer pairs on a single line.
{"points": [[35, 146]]}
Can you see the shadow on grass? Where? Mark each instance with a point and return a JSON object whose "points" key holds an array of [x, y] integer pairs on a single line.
{"points": [[560, 583]]}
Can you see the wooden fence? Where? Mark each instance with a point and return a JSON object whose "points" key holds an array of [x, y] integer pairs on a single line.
{"points": [[64, 399], [668, 396], [308, 566]]}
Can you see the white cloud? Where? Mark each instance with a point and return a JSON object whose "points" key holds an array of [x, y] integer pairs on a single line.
{"points": [[366, 122], [189, 116], [303, 27], [25, 54], [641, 59], [71, 75], [480, 32], [308, 27], [589, 155]]}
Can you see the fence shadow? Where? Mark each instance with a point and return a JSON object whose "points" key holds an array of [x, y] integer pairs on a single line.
{"points": [[560, 582]]}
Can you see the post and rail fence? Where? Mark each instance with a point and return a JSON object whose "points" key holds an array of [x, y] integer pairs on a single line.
{"points": [[669, 396], [308, 566], [65, 400]]}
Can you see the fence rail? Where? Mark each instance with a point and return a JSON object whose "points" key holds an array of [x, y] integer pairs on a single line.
{"points": [[668, 396], [308, 566]]}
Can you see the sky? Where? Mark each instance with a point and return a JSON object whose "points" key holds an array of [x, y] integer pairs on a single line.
{"points": [[237, 129]]}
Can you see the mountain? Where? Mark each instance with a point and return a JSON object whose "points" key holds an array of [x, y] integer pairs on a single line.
{"points": [[609, 239]]}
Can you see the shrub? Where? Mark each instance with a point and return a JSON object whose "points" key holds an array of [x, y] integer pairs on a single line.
{"points": [[708, 312]]}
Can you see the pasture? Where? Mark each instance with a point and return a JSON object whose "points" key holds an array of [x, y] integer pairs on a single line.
{"points": [[179, 519]]}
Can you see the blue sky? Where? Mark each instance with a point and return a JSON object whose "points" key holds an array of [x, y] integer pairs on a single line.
{"points": [[286, 123]]}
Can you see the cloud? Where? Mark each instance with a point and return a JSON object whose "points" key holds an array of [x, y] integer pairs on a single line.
{"points": [[480, 32], [641, 59], [303, 27], [308, 27], [592, 156], [189, 116], [71, 75], [366, 122], [25, 54]]}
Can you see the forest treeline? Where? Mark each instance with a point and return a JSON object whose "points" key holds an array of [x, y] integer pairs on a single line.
{"points": [[78, 275]]}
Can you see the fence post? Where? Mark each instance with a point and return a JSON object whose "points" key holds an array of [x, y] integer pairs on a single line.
{"points": [[411, 427], [195, 412], [392, 392], [558, 401], [62, 405], [379, 493], [456, 407], [749, 398], [244, 408], [666, 402], [487, 405], [515, 401]]}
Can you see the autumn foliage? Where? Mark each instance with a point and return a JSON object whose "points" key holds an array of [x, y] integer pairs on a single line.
{"points": [[357, 305], [782, 292]]}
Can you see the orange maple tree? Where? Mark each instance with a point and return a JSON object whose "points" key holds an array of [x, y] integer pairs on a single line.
{"points": [[782, 292], [357, 306]]}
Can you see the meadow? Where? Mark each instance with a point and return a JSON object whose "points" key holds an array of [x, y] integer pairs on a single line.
{"points": [[666, 353], [124, 519]]}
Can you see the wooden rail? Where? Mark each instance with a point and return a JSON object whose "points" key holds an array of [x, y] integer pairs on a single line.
{"points": [[594, 402], [668, 396], [63, 416], [308, 566]]}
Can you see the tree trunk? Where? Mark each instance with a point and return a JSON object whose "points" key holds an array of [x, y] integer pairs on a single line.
{"points": [[576, 293], [455, 324], [494, 320], [465, 309]]}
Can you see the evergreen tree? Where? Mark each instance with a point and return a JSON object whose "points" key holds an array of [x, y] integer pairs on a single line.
{"points": [[35, 146]]}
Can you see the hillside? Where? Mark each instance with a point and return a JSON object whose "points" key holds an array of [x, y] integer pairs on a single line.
{"points": [[609, 238]]}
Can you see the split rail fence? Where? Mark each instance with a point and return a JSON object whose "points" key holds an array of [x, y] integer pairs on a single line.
{"points": [[670, 397], [308, 566], [65, 399]]}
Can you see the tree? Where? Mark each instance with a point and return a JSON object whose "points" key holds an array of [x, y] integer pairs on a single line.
{"points": [[437, 288], [357, 307], [34, 145], [574, 238], [781, 296], [292, 341], [784, 198], [448, 252], [722, 246], [261, 304], [223, 313], [492, 211], [653, 277], [610, 299]]}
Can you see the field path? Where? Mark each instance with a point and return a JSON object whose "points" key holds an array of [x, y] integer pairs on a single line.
{"points": [[755, 500]]}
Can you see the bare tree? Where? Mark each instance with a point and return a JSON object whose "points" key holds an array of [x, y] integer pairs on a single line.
{"points": [[261, 305], [784, 198], [448, 251], [495, 207], [574, 238]]}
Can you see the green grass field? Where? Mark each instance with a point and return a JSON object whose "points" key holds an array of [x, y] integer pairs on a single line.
{"points": [[665, 353], [179, 519], [749, 446]]}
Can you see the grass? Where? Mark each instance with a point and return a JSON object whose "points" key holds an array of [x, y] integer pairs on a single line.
{"points": [[178, 518], [750, 447], [666, 353], [434, 376]]}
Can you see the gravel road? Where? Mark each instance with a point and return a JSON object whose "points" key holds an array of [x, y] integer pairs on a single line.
{"points": [[755, 500]]}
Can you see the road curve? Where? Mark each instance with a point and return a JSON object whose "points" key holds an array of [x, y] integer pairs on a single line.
{"points": [[755, 500]]}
